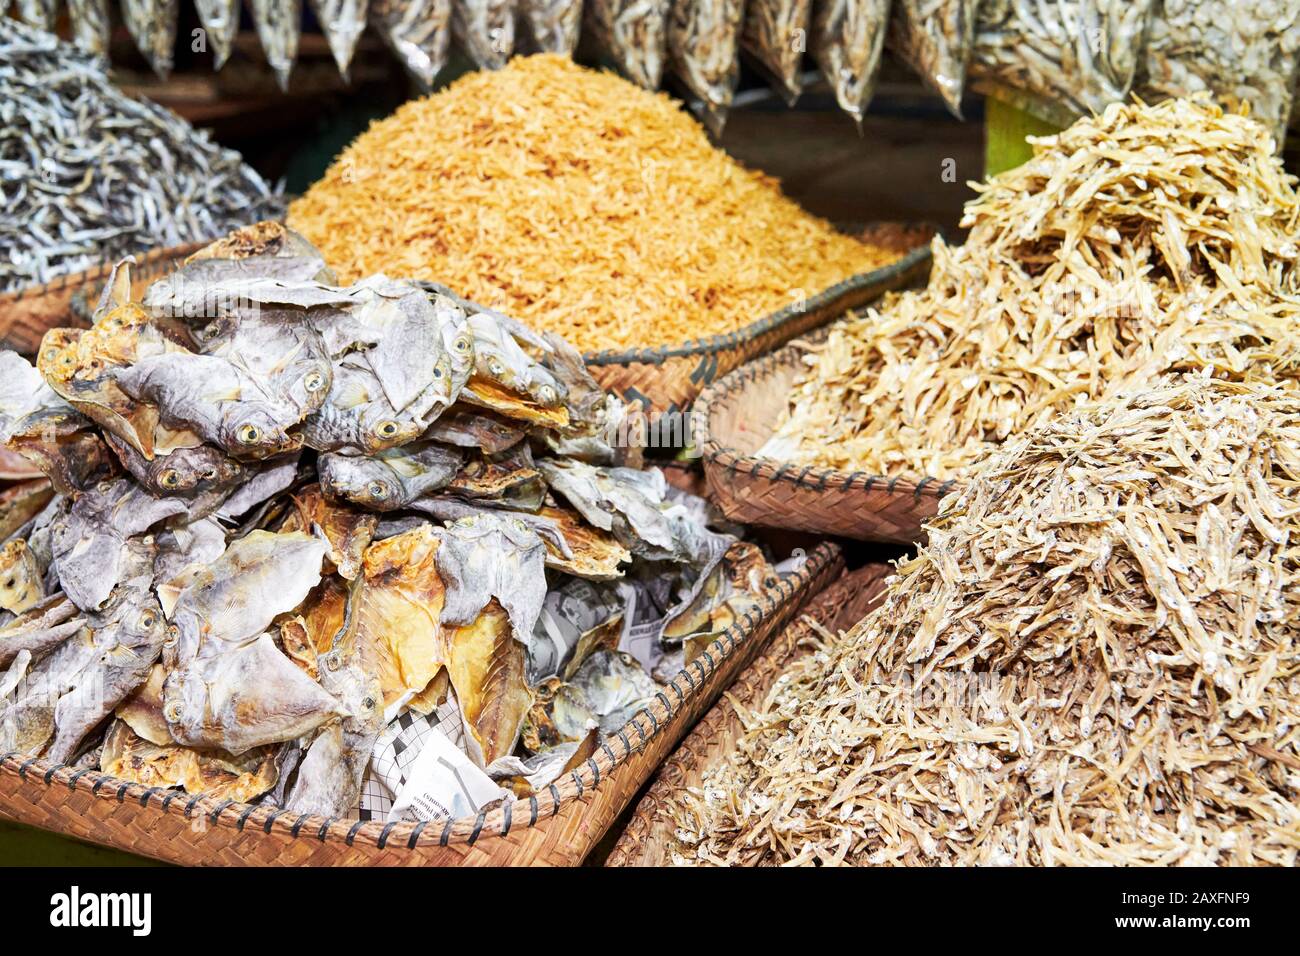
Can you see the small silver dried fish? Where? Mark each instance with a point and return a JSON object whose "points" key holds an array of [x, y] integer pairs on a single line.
{"points": [[775, 33], [40, 14], [704, 50], [634, 33], [220, 18], [90, 25], [935, 37], [847, 39], [485, 30], [342, 22], [278, 24], [550, 26], [418, 31], [152, 25]]}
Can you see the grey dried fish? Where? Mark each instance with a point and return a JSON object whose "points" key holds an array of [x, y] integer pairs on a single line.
{"points": [[152, 25], [390, 479], [130, 176], [418, 31], [485, 30], [183, 472], [90, 25], [490, 557], [1083, 53], [935, 37], [775, 33], [847, 39], [342, 22], [467, 427], [220, 18], [620, 500], [704, 50], [550, 26], [40, 14], [634, 33], [39, 629], [278, 23]]}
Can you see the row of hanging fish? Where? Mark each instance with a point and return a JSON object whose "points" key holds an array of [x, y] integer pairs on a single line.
{"points": [[274, 539]]}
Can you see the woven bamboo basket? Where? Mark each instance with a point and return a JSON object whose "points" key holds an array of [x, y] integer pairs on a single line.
{"points": [[27, 314], [739, 414], [648, 837], [667, 380], [556, 827]]}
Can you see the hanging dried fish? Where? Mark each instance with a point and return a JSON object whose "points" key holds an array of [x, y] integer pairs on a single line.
{"points": [[485, 30], [220, 20], [418, 31], [1082, 53], [634, 33], [935, 37], [847, 39], [342, 22], [90, 26], [152, 25], [278, 23], [703, 48], [1240, 52], [40, 14], [550, 26], [776, 34]]}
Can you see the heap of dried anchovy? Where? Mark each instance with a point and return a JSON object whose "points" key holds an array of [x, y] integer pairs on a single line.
{"points": [[1131, 243], [936, 38], [88, 174], [1094, 661], [1083, 53], [703, 47], [1240, 52], [847, 39]]}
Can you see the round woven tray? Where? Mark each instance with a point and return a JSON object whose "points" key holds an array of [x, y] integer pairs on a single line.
{"points": [[559, 826], [667, 380], [648, 838], [27, 314], [739, 414]]}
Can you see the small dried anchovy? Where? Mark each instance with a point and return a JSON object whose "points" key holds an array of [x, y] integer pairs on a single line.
{"points": [[775, 34], [38, 13], [485, 29], [90, 26], [88, 174], [418, 31], [342, 22], [703, 47], [935, 38], [1083, 53], [551, 26], [848, 36], [1240, 52], [152, 25], [635, 34], [220, 19], [278, 24]]}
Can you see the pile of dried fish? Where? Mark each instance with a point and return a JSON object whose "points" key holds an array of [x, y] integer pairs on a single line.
{"points": [[936, 37], [1240, 52], [704, 47], [356, 549], [1082, 53], [1092, 662], [848, 37], [1148, 238], [88, 174], [576, 202]]}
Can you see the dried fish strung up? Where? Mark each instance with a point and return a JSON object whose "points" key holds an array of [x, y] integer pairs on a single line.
{"points": [[321, 546], [634, 33], [1082, 53], [485, 30], [40, 14], [550, 26], [1148, 238], [418, 31], [935, 37], [639, 233], [1092, 662], [342, 22], [88, 174], [1240, 52], [775, 34], [278, 23], [90, 25], [848, 37], [152, 25], [703, 48], [220, 20]]}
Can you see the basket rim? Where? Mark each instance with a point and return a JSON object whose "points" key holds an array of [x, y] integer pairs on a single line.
{"points": [[146, 262], [493, 822], [736, 463], [908, 261]]}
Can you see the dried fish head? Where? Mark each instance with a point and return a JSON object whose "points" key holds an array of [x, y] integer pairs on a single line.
{"points": [[357, 418], [619, 500], [389, 479], [467, 427], [22, 579], [182, 472], [507, 380]]}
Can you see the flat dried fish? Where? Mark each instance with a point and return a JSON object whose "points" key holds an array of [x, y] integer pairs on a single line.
{"points": [[487, 667], [390, 479], [492, 557]]}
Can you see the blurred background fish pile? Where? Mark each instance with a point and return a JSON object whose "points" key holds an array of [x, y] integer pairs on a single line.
{"points": [[365, 550]]}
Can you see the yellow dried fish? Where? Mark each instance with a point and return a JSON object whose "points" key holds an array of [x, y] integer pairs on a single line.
{"points": [[1093, 661], [1148, 238]]}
